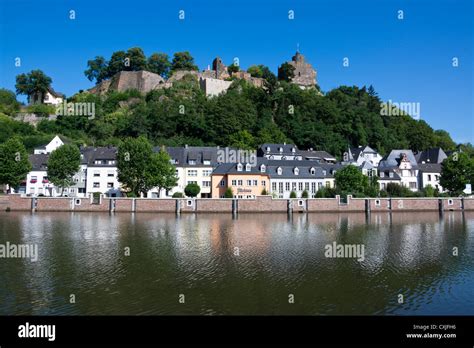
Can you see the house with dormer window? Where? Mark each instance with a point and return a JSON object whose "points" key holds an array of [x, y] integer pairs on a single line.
{"points": [[244, 179], [400, 167]]}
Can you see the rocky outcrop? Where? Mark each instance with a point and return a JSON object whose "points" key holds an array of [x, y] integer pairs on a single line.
{"points": [[142, 81]]}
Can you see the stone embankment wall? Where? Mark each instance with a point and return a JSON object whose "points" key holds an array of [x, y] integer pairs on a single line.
{"points": [[261, 204]]}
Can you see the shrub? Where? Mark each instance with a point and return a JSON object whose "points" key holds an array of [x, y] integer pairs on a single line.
{"points": [[42, 110], [292, 194], [264, 192], [305, 194], [228, 193], [192, 190], [178, 195]]}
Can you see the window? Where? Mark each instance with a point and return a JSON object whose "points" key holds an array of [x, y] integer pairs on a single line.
{"points": [[328, 184], [255, 183], [249, 182], [300, 186], [110, 174], [279, 171], [206, 162], [239, 167], [239, 182], [274, 186], [268, 148], [192, 182], [111, 162], [293, 150], [293, 186], [262, 168], [437, 177], [324, 172], [192, 172], [413, 185], [390, 174], [306, 186], [320, 184], [264, 183], [192, 162], [383, 186], [312, 171], [234, 182], [429, 177], [313, 187], [96, 185], [96, 173], [280, 187], [222, 182], [206, 172], [287, 186], [110, 185], [81, 190], [280, 150], [382, 174], [248, 167], [296, 171], [206, 184], [71, 190]]}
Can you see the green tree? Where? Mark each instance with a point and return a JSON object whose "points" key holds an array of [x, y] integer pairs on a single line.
{"points": [[305, 194], [137, 59], [140, 169], [350, 180], [63, 164], [14, 163], [97, 69], [228, 193], [183, 61], [397, 190], [233, 68], [192, 190], [242, 140], [116, 63], [8, 103], [286, 72], [255, 71], [293, 194], [159, 63], [36, 82], [456, 171], [428, 191], [443, 140]]}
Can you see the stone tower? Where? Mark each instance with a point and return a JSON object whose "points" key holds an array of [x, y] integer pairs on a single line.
{"points": [[305, 75], [220, 69]]}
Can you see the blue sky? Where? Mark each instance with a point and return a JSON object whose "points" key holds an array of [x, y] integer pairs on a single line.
{"points": [[407, 60]]}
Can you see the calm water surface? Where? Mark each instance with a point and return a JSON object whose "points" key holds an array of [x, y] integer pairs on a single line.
{"points": [[195, 255]]}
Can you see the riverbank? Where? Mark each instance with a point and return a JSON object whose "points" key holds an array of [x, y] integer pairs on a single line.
{"points": [[260, 204]]}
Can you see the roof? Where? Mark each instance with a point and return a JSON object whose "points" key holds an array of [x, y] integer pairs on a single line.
{"points": [[288, 169], [274, 149], [387, 177], [392, 160], [433, 155], [38, 162], [430, 167], [356, 151], [182, 155], [312, 155], [93, 154], [55, 94]]}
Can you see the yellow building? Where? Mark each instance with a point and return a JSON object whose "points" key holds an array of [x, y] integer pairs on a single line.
{"points": [[245, 180]]}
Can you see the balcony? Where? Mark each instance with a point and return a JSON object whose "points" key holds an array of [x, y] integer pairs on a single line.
{"points": [[33, 181], [45, 181]]}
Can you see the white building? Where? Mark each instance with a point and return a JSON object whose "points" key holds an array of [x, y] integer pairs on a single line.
{"points": [[194, 164], [56, 142], [51, 97], [101, 173], [362, 154], [299, 176], [399, 167]]}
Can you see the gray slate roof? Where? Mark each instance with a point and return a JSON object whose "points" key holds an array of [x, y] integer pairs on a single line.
{"points": [[392, 160], [433, 155], [38, 162]]}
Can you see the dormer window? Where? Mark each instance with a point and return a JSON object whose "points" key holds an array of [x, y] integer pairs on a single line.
{"points": [[296, 171], [390, 174], [239, 167], [382, 174], [192, 162], [279, 171], [312, 171], [268, 148], [280, 149], [324, 172], [262, 168], [248, 167], [293, 150]]}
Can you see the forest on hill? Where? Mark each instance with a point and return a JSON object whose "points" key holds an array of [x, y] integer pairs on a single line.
{"points": [[245, 116]]}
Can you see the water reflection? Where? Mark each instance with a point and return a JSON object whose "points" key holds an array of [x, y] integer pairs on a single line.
{"points": [[243, 265]]}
